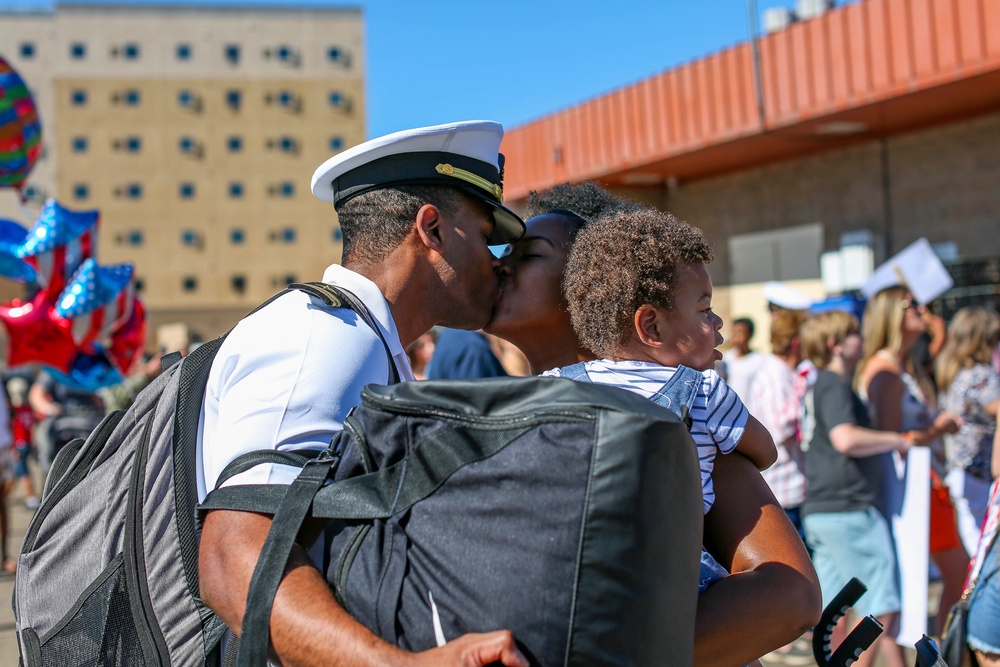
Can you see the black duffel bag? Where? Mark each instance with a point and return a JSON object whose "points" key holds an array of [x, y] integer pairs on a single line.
{"points": [[568, 513]]}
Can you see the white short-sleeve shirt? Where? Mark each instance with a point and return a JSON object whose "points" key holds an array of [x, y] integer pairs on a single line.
{"points": [[286, 377]]}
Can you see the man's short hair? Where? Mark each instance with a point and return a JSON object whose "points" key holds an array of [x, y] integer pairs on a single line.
{"points": [[819, 330], [375, 222], [620, 262], [746, 322]]}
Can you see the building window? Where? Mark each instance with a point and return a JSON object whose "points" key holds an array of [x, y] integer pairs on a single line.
{"points": [[336, 143], [190, 237], [287, 144], [189, 146], [131, 97], [285, 54], [81, 191], [232, 53], [135, 237], [183, 52], [187, 99], [239, 284], [337, 99], [133, 144], [338, 236], [27, 50], [286, 99], [187, 190], [235, 144], [233, 99], [236, 190], [284, 189], [237, 236], [78, 51], [131, 51], [189, 283], [79, 144], [78, 97], [335, 54], [288, 236]]}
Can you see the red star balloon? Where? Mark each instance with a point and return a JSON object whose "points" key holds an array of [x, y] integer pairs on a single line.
{"points": [[128, 341], [36, 335]]}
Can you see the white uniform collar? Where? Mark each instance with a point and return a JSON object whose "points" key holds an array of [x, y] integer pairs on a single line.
{"points": [[372, 297]]}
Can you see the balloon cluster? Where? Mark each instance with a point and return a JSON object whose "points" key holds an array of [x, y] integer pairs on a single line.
{"points": [[85, 323], [20, 131]]}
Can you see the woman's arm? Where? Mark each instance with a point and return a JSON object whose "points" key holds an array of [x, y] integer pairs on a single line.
{"points": [[40, 402], [857, 441], [773, 595]]}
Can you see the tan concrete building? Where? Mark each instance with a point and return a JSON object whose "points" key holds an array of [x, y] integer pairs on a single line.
{"points": [[195, 131]]}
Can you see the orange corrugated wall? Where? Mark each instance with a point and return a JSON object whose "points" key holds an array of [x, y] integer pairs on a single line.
{"points": [[852, 56]]}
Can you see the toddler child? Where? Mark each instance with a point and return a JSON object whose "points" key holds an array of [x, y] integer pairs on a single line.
{"points": [[640, 297]]}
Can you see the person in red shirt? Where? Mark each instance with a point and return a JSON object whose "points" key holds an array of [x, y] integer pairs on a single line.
{"points": [[22, 423]]}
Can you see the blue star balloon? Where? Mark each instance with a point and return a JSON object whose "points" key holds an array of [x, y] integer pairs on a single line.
{"points": [[54, 227], [58, 243], [97, 299], [88, 372], [12, 236]]}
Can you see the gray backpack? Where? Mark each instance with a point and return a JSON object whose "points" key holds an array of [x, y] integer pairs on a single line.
{"points": [[108, 571]]}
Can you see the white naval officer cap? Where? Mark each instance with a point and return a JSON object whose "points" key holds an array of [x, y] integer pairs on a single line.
{"points": [[464, 155]]}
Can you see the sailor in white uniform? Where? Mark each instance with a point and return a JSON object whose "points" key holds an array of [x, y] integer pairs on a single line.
{"points": [[418, 210]]}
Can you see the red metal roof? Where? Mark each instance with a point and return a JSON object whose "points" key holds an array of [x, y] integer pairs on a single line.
{"points": [[863, 70]]}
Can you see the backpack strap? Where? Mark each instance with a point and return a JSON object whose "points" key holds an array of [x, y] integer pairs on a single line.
{"points": [[338, 297], [679, 392], [377, 495]]}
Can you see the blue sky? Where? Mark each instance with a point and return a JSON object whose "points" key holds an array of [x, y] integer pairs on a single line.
{"points": [[434, 61]]}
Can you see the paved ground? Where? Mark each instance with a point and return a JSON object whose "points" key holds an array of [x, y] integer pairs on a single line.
{"points": [[799, 653], [18, 518]]}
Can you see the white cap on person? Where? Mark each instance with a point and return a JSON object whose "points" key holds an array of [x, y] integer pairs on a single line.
{"points": [[465, 155], [784, 296]]}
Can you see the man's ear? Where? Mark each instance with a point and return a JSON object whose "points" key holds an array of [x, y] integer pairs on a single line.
{"points": [[649, 325], [428, 226]]}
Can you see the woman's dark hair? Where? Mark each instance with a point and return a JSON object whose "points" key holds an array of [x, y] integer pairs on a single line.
{"points": [[578, 203]]}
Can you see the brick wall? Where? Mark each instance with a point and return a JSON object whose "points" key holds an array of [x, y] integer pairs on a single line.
{"points": [[943, 183]]}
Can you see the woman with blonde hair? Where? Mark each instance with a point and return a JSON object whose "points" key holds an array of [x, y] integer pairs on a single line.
{"points": [[970, 387], [901, 400]]}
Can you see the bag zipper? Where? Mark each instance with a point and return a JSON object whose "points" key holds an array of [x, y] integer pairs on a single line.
{"points": [[135, 565]]}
